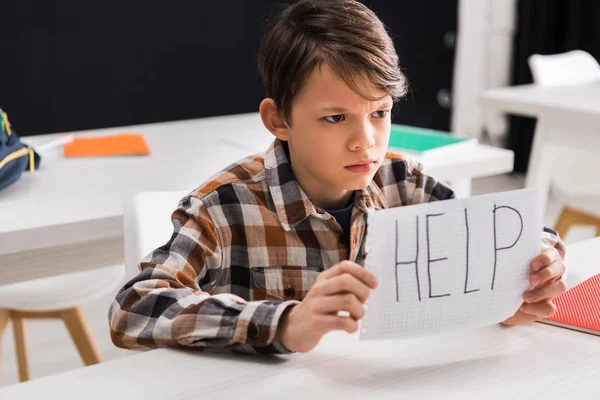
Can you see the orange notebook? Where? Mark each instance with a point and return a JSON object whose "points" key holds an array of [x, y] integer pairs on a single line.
{"points": [[579, 307], [124, 144]]}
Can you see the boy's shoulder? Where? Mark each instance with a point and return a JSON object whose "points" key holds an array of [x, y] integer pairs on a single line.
{"points": [[245, 182], [247, 174], [397, 167], [401, 181]]}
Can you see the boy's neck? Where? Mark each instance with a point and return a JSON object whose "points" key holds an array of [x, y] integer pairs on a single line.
{"points": [[327, 201], [331, 204]]}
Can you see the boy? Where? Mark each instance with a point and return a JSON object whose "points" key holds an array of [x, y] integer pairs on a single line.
{"points": [[264, 256]]}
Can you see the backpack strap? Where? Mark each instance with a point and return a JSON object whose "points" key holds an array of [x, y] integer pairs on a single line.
{"points": [[33, 158], [6, 124]]}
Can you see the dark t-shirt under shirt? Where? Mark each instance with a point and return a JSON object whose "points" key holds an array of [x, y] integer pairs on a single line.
{"points": [[343, 216]]}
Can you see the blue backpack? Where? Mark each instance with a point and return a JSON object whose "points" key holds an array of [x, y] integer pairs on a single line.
{"points": [[15, 157]]}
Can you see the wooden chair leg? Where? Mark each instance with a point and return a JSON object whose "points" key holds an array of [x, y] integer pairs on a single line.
{"points": [[21, 349], [570, 216], [4, 318], [81, 335], [565, 220]]}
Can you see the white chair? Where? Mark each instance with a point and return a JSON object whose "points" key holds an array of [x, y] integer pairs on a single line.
{"points": [[579, 193], [147, 225], [57, 297], [575, 66]]}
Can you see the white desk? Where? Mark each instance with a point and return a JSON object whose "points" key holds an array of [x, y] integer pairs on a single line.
{"points": [[567, 116], [523, 362], [68, 215]]}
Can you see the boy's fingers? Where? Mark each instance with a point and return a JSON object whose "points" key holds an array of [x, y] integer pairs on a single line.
{"points": [[546, 257], [341, 324], [547, 292], [520, 318], [547, 274], [541, 309], [345, 283], [353, 269], [342, 302]]}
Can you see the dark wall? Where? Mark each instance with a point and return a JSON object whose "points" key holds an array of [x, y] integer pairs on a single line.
{"points": [[71, 65]]}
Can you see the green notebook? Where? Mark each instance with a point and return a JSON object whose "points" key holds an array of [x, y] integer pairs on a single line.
{"points": [[424, 141]]}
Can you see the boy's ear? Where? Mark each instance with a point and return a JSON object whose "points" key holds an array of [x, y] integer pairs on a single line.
{"points": [[273, 119]]}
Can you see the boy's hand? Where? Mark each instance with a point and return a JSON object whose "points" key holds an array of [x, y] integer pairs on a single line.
{"points": [[546, 271], [345, 286]]}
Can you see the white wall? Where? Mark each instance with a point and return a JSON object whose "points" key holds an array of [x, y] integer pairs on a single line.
{"points": [[483, 60]]}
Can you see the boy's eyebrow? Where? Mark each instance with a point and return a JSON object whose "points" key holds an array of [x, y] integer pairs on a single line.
{"points": [[342, 110], [333, 109]]}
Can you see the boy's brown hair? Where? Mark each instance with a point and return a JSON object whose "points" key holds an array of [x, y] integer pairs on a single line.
{"points": [[343, 34]]}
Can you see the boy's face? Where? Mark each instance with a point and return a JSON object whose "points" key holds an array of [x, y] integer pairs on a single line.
{"points": [[337, 139]]}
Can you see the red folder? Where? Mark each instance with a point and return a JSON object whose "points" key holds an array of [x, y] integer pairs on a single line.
{"points": [[579, 307]]}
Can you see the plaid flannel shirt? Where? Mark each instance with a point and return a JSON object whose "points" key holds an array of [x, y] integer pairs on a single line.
{"points": [[247, 245]]}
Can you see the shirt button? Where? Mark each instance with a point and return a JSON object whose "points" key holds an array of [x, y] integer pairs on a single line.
{"points": [[253, 331], [289, 292]]}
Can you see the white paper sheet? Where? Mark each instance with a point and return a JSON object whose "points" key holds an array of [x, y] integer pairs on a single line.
{"points": [[472, 263]]}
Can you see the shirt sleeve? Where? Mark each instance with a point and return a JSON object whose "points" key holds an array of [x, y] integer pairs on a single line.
{"points": [[169, 303]]}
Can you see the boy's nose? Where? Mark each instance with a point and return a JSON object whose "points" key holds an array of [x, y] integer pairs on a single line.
{"points": [[364, 138]]}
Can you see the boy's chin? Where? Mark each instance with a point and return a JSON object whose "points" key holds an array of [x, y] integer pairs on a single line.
{"points": [[358, 183]]}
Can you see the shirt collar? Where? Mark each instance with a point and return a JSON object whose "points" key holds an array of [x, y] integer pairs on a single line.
{"points": [[291, 203]]}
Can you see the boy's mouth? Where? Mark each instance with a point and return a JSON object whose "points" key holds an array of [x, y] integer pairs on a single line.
{"points": [[362, 166]]}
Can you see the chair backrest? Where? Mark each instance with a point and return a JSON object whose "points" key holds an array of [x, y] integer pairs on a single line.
{"points": [[575, 66], [147, 225], [572, 67]]}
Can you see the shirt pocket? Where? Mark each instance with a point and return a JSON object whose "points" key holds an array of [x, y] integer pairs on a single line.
{"points": [[282, 282]]}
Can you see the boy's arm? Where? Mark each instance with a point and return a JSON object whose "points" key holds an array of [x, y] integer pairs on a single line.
{"points": [[168, 304]]}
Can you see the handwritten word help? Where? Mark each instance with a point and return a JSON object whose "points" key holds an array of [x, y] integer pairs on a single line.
{"points": [[450, 265]]}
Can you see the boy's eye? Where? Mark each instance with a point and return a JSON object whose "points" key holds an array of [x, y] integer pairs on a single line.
{"points": [[334, 119], [380, 114]]}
